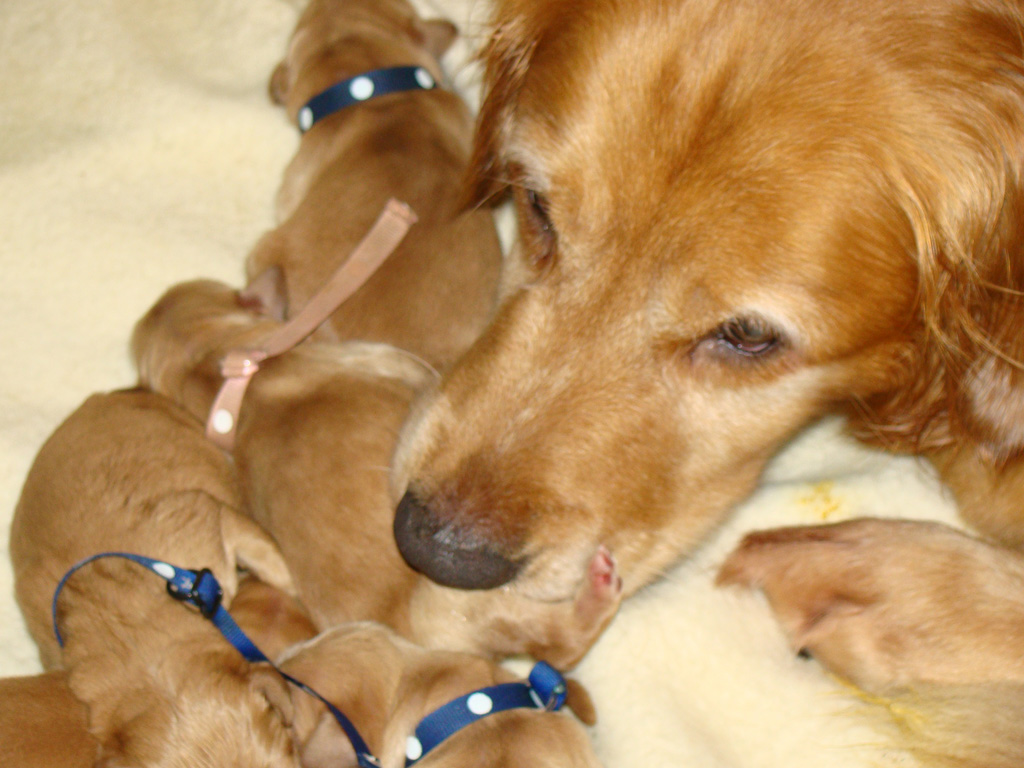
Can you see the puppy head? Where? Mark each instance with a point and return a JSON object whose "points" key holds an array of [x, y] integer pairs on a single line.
{"points": [[231, 713], [733, 238], [387, 685], [186, 324], [336, 39]]}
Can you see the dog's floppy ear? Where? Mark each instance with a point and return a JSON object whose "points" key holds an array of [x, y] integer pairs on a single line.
{"points": [[506, 58], [980, 290], [960, 184]]}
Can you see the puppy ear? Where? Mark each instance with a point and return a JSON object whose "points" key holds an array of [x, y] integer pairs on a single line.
{"points": [[277, 88], [506, 58], [249, 546], [578, 700], [438, 35], [267, 682], [266, 294]]}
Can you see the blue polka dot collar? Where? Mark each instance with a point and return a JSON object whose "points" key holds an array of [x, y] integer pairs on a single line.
{"points": [[364, 87], [544, 689]]}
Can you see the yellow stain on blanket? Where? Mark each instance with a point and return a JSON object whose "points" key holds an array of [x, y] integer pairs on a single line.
{"points": [[819, 503], [905, 715], [884, 714]]}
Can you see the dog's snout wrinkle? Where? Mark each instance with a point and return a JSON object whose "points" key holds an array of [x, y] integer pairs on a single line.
{"points": [[446, 554]]}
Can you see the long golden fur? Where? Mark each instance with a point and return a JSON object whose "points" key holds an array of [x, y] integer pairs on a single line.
{"points": [[734, 218]]}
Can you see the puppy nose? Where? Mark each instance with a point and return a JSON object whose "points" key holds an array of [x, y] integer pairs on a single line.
{"points": [[448, 555]]}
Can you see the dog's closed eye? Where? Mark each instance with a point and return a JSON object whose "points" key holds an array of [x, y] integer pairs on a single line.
{"points": [[748, 336], [536, 228], [742, 340]]}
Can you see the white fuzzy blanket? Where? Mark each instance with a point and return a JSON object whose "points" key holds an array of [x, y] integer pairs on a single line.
{"points": [[138, 149]]}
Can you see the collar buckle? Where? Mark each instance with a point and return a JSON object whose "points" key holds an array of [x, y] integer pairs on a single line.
{"points": [[202, 592]]}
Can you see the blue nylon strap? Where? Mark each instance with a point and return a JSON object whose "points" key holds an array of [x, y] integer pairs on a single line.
{"points": [[201, 590], [355, 90], [544, 690]]}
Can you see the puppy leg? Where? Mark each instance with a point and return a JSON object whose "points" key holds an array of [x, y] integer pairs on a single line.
{"points": [[891, 603]]}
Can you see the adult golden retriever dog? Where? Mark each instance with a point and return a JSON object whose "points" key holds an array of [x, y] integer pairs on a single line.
{"points": [[735, 217]]}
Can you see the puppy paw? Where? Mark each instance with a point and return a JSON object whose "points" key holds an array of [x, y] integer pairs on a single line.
{"points": [[886, 603]]}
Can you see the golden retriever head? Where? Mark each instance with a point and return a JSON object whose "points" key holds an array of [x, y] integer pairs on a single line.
{"points": [[734, 217]]}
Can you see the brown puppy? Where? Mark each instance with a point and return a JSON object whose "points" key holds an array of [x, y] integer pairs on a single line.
{"points": [[315, 436], [42, 725], [786, 208], [926, 617], [386, 685], [131, 471], [413, 146]]}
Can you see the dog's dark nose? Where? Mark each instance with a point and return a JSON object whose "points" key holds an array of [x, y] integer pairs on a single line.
{"points": [[445, 554]]}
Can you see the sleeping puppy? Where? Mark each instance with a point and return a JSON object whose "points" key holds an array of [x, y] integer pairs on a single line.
{"points": [[787, 209], [42, 724], [131, 471], [315, 435], [412, 145], [386, 685]]}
